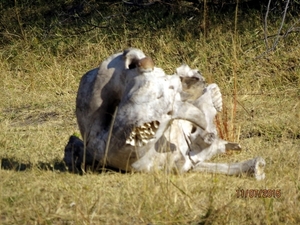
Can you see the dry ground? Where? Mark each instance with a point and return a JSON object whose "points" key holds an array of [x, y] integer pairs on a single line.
{"points": [[37, 103]]}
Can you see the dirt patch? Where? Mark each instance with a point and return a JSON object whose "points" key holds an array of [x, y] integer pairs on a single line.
{"points": [[27, 115]]}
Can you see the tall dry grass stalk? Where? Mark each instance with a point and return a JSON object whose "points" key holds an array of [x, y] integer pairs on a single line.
{"points": [[226, 122]]}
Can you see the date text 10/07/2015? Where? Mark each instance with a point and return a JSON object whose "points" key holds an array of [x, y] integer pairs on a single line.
{"points": [[258, 193]]}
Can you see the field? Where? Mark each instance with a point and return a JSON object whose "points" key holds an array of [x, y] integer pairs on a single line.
{"points": [[39, 78]]}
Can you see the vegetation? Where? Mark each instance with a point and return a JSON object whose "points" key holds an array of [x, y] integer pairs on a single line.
{"points": [[46, 48]]}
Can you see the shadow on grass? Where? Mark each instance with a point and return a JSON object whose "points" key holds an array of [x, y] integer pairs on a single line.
{"points": [[13, 164], [57, 166]]}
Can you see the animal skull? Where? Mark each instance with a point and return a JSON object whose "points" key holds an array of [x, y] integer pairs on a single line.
{"points": [[134, 117]]}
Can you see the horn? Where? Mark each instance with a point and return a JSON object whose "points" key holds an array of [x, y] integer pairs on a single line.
{"points": [[132, 57]]}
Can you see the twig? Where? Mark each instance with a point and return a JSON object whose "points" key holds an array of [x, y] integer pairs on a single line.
{"points": [[205, 18], [291, 29], [84, 154], [138, 2], [109, 137], [19, 21], [266, 25], [281, 25], [279, 32]]}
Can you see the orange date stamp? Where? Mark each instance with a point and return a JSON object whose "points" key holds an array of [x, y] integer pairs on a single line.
{"points": [[258, 193]]}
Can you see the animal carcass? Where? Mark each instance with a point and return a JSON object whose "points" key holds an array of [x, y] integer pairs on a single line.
{"points": [[134, 117]]}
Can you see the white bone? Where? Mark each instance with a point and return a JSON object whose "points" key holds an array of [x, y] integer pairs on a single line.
{"points": [[153, 127]]}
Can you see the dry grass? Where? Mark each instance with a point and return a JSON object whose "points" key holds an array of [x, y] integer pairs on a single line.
{"points": [[37, 116]]}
